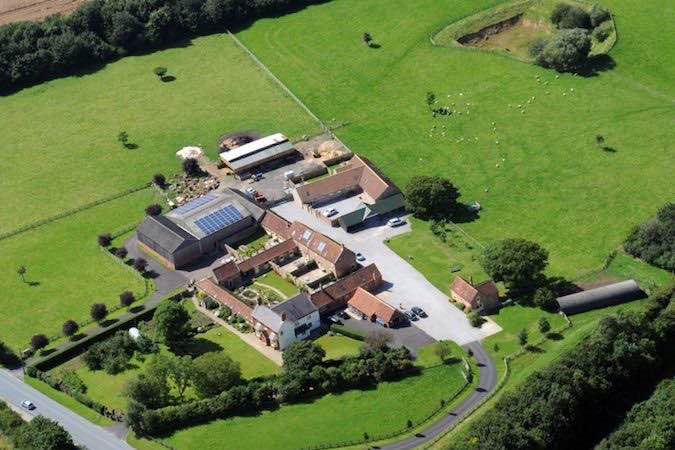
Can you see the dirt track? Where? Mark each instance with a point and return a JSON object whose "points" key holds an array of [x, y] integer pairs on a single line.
{"points": [[17, 10]]}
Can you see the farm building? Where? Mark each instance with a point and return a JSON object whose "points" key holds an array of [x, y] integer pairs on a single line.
{"points": [[328, 254], [248, 157], [600, 297], [483, 296], [358, 178], [198, 227], [366, 306], [289, 321], [336, 295]]}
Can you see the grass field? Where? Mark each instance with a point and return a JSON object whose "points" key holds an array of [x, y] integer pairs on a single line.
{"points": [[332, 418], [273, 279], [338, 346], [552, 184], [63, 133], [67, 270]]}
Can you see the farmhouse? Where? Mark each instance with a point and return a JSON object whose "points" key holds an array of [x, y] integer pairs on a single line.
{"points": [[483, 296], [358, 178], [246, 158], [199, 227], [327, 253], [600, 297], [366, 306], [281, 325]]}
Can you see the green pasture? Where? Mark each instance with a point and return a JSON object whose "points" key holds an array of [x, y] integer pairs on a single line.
{"points": [[538, 174]]}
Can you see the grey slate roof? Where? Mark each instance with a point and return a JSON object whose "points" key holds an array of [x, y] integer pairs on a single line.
{"points": [[611, 294], [267, 317], [364, 212], [295, 308], [165, 233]]}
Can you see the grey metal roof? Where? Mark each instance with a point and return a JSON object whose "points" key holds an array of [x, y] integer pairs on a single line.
{"points": [[295, 308], [165, 233], [611, 294], [267, 317], [259, 157], [364, 212]]}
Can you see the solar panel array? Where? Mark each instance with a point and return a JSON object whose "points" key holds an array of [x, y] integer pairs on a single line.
{"points": [[219, 219], [196, 203]]}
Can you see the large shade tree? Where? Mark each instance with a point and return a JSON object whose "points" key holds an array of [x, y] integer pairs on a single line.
{"points": [[431, 197], [171, 321], [517, 262]]}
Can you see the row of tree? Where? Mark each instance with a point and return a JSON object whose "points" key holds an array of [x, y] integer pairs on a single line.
{"points": [[217, 379], [40, 433], [654, 241], [575, 401], [102, 30]]}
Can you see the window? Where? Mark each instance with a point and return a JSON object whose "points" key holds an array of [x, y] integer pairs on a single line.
{"points": [[306, 235], [302, 329], [321, 247]]}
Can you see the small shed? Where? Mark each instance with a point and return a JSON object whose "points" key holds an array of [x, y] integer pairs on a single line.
{"points": [[600, 297]]}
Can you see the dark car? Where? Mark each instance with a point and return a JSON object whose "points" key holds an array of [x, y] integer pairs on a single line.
{"points": [[343, 314], [410, 315], [419, 311]]}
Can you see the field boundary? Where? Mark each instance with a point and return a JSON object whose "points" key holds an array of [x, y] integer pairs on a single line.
{"points": [[70, 212]]}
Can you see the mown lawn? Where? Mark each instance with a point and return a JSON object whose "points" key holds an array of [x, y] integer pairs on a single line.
{"points": [[274, 280], [331, 418], [538, 174], [67, 270], [63, 133], [337, 346]]}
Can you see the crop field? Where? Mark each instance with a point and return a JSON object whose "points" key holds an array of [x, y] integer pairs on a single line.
{"points": [[538, 173]]}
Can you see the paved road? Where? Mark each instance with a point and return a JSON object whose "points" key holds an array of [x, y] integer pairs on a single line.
{"points": [[404, 286], [487, 382], [14, 391]]}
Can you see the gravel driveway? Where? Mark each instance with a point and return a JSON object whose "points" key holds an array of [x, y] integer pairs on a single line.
{"points": [[404, 287]]}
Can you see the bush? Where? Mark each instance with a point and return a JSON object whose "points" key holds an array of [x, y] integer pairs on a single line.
{"points": [[536, 47], [112, 354], [121, 252], [105, 239], [127, 298], [191, 167], [566, 16], [70, 327], [71, 382], [39, 341], [159, 180], [153, 210], [598, 15], [475, 319], [140, 264], [98, 311], [567, 51], [601, 33], [545, 299], [653, 241], [159, 71]]}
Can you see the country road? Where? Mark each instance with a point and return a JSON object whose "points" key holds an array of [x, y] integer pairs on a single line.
{"points": [[14, 391], [487, 382]]}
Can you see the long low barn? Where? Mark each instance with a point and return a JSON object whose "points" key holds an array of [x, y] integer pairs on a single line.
{"points": [[601, 297]]}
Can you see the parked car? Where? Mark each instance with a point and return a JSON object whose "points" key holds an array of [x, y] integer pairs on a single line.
{"points": [[250, 191], [27, 404], [343, 315], [260, 198], [360, 257], [335, 319], [395, 222], [410, 315], [329, 212], [258, 176], [419, 311]]}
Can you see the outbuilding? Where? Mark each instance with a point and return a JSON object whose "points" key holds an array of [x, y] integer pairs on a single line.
{"points": [[600, 297]]}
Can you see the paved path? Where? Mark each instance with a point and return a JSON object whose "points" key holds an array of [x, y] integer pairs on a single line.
{"points": [[85, 433], [404, 286], [487, 383]]}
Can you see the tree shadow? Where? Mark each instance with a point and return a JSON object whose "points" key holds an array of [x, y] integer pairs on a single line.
{"points": [[555, 336], [137, 309], [374, 45], [150, 274], [195, 347], [47, 352], [597, 64], [33, 283], [533, 349], [168, 79], [130, 146], [607, 149], [78, 337], [465, 214], [106, 323]]}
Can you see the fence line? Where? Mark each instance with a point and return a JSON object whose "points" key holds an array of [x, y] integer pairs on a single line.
{"points": [[70, 212]]}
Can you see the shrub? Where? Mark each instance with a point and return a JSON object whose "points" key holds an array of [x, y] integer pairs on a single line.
{"points": [[545, 299], [39, 341], [601, 34], [70, 327], [159, 71], [566, 16], [71, 382], [105, 239], [475, 319], [127, 298], [112, 354], [153, 210], [536, 47], [159, 180], [140, 264], [98, 311], [191, 167], [567, 51], [121, 252], [598, 15]]}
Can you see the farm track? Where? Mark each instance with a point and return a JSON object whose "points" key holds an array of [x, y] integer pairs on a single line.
{"points": [[22, 10]]}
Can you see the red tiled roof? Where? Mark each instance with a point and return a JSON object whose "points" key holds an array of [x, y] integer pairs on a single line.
{"points": [[488, 289], [226, 271], [319, 244], [275, 224], [464, 290], [224, 297], [370, 305], [267, 255], [336, 294]]}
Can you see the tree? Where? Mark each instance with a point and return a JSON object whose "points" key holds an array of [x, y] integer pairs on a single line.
{"points": [[215, 372], [302, 356], [442, 350], [98, 311], [191, 167], [431, 99], [21, 271], [378, 339], [159, 71], [516, 262], [654, 240], [149, 391], [140, 264], [566, 51], [367, 38], [522, 337], [545, 299], [598, 15], [70, 327], [44, 434], [121, 252], [171, 321], [599, 140], [181, 373], [123, 138], [159, 180], [569, 16], [105, 239], [153, 210], [39, 341], [544, 326], [430, 197], [127, 298], [475, 319]]}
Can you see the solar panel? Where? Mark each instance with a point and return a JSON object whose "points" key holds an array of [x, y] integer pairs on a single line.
{"points": [[219, 219], [193, 204]]}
